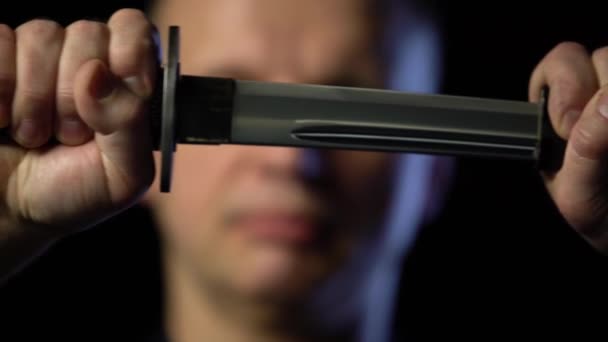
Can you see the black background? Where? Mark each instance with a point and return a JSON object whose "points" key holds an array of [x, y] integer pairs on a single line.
{"points": [[515, 271]]}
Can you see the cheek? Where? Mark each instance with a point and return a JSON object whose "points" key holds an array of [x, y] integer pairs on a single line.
{"points": [[201, 177]]}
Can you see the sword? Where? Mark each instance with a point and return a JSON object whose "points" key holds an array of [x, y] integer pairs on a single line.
{"points": [[212, 111]]}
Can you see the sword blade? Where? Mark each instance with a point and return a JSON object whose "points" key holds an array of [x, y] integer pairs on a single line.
{"points": [[203, 110], [223, 111]]}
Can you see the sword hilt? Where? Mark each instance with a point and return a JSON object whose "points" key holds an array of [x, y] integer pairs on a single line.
{"points": [[551, 147], [209, 98], [162, 109]]}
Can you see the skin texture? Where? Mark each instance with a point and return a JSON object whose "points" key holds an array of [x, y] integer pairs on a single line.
{"points": [[73, 99], [84, 86], [579, 112], [218, 267]]}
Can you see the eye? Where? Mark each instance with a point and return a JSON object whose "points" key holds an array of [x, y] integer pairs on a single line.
{"points": [[232, 72]]}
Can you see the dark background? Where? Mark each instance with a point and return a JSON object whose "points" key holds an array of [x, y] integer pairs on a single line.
{"points": [[519, 272]]}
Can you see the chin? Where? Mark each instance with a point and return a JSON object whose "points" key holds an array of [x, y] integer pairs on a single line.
{"points": [[279, 273]]}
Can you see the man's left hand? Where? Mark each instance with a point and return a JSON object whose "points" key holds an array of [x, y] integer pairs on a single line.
{"points": [[578, 108]]}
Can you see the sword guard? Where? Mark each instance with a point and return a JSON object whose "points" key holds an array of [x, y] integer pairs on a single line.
{"points": [[551, 147], [163, 109]]}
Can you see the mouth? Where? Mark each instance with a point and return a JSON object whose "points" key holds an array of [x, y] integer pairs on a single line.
{"points": [[279, 227]]}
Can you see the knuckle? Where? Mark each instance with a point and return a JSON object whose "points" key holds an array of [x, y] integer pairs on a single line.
{"points": [[564, 73], [87, 28], [40, 29], [601, 52], [569, 47], [134, 22], [7, 33], [65, 96], [564, 58], [130, 57], [600, 55], [127, 16], [132, 44], [65, 101], [35, 95]]}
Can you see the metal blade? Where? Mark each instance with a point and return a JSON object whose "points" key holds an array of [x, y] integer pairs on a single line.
{"points": [[204, 110], [301, 115]]}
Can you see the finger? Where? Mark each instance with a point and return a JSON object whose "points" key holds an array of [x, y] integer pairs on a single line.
{"points": [[113, 104], [104, 102], [132, 51], [581, 182], [8, 73], [38, 49], [122, 134], [84, 40], [570, 75], [600, 61], [113, 93]]}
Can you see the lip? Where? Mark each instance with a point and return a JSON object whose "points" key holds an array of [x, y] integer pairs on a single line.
{"points": [[279, 227]]}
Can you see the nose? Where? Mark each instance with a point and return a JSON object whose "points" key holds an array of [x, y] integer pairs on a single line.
{"points": [[300, 162], [288, 161]]}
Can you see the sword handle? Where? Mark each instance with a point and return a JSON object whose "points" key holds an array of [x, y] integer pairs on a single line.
{"points": [[155, 109], [551, 147]]}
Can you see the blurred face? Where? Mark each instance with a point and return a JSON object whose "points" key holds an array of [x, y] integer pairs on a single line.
{"points": [[271, 222]]}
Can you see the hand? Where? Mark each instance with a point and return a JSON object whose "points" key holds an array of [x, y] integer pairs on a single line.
{"points": [[578, 108], [73, 101]]}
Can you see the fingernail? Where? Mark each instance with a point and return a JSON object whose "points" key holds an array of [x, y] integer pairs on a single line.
{"points": [[28, 131], [136, 85]]}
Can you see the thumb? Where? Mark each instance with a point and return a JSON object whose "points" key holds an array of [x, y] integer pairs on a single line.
{"points": [[118, 117], [580, 186], [105, 102]]}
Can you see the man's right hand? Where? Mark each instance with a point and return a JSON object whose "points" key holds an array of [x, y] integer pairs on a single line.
{"points": [[72, 103]]}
